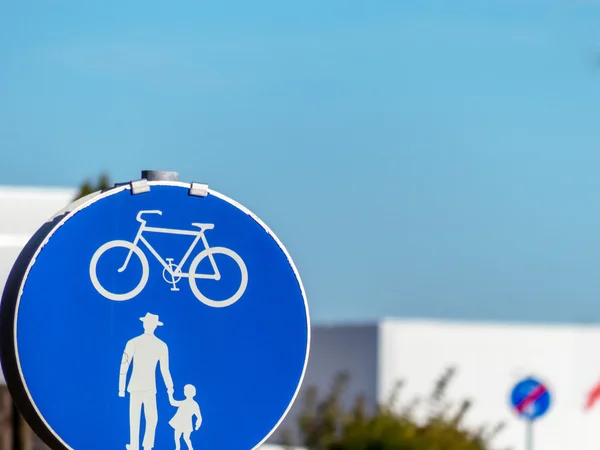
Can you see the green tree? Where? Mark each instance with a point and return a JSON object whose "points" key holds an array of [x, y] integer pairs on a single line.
{"points": [[325, 425], [89, 187]]}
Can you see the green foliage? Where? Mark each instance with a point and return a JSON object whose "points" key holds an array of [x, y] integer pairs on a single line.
{"points": [[88, 187], [325, 425]]}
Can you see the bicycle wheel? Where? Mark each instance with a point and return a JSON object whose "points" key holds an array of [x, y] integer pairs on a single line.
{"points": [[238, 260], [94, 277]]}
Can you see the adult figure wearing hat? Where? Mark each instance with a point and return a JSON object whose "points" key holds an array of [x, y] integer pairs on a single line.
{"points": [[146, 351]]}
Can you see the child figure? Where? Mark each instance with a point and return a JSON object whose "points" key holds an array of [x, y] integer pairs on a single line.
{"points": [[182, 420]]}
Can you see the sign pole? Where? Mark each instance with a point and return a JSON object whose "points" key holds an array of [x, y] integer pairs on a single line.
{"points": [[529, 435], [16, 428], [160, 175]]}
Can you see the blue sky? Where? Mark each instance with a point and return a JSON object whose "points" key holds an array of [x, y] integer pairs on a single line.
{"points": [[437, 159]]}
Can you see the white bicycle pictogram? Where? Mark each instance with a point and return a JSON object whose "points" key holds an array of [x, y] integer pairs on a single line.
{"points": [[172, 272]]}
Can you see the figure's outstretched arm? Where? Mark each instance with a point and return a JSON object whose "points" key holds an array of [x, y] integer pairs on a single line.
{"points": [[164, 369], [174, 402], [125, 363]]}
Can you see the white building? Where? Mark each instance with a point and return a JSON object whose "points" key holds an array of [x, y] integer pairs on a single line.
{"points": [[490, 357]]}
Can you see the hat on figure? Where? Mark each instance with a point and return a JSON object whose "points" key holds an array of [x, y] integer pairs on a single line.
{"points": [[152, 318]]}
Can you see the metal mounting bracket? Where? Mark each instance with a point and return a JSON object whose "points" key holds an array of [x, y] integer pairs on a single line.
{"points": [[139, 186], [198, 189]]}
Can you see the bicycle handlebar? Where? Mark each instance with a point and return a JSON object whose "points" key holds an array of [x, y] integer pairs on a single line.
{"points": [[139, 216]]}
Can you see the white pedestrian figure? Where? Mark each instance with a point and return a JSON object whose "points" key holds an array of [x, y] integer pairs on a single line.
{"points": [[146, 351], [182, 420]]}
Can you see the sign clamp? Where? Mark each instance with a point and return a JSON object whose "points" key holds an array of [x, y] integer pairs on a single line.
{"points": [[139, 186], [198, 189], [142, 186]]}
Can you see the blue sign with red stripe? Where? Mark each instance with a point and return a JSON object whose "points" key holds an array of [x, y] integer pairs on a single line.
{"points": [[530, 399]]}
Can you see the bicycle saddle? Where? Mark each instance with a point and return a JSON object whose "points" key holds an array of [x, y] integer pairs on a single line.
{"points": [[204, 226]]}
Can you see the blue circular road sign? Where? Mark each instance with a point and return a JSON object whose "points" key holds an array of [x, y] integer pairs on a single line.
{"points": [[153, 318], [530, 399]]}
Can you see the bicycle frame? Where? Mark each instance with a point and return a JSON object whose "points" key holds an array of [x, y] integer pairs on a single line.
{"points": [[199, 235]]}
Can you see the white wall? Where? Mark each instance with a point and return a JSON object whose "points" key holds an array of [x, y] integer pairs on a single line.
{"points": [[490, 360], [22, 211]]}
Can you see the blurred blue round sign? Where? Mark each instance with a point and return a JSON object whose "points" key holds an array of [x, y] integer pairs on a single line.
{"points": [[530, 399], [153, 320]]}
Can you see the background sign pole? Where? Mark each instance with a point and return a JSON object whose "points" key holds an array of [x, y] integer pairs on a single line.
{"points": [[529, 435]]}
